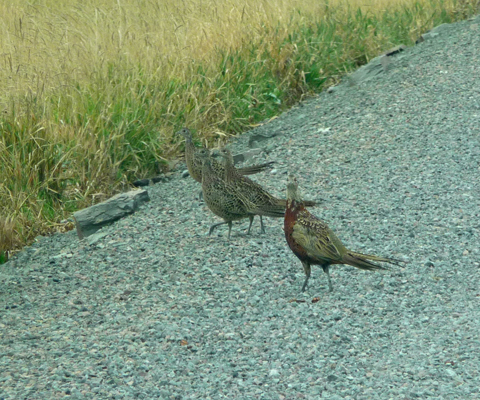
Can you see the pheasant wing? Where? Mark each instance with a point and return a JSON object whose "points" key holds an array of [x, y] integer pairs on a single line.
{"points": [[317, 238]]}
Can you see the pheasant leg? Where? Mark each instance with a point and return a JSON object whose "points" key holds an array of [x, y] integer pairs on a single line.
{"points": [[307, 269], [215, 225], [326, 269], [250, 217]]}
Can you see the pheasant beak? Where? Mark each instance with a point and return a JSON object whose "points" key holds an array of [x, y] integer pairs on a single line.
{"points": [[215, 153]]}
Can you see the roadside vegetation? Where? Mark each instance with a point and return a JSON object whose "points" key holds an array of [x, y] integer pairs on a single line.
{"points": [[93, 91]]}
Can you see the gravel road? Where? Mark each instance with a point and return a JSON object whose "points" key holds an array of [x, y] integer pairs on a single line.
{"points": [[158, 310]]}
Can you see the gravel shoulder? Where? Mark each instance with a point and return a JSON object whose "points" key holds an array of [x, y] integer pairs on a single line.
{"points": [[158, 310]]}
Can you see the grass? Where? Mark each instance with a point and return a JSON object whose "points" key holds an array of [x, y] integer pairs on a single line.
{"points": [[94, 92]]}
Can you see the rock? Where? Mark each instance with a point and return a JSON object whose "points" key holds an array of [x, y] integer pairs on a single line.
{"points": [[332, 89], [429, 264], [433, 33], [255, 140], [395, 50], [141, 182], [332, 378], [369, 71], [94, 238], [91, 219], [270, 148], [247, 155], [376, 66], [426, 36], [157, 179], [450, 372]]}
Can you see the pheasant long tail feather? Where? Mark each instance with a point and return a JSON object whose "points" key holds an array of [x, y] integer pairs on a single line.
{"points": [[270, 211], [393, 261], [364, 261], [253, 169], [306, 203], [309, 203]]}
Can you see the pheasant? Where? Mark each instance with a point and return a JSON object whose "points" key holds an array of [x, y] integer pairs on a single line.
{"points": [[223, 200], [194, 164], [250, 189], [313, 242]]}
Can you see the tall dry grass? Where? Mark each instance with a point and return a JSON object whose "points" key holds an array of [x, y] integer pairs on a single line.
{"points": [[93, 90]]}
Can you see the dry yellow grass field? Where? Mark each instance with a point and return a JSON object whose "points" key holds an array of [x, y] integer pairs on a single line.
{"points": [[92, 91]]}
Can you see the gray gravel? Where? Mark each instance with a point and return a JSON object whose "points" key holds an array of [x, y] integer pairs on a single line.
{"points": [[158, 310]]}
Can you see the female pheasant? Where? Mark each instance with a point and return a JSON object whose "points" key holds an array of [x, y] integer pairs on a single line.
{"points": [[313, 242], [252, 190], [194, 163], [226, 202]]}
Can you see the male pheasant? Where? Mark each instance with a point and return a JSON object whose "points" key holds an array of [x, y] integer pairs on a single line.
{"points": [[313, 242]]}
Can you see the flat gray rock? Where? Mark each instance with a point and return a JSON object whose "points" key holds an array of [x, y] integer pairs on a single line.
{"points": [[91, 219], [376, 67], [247, 155]]}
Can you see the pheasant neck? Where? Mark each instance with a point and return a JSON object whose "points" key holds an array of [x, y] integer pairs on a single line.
{"points": [[207, 171], [294, 205], [189, 146], [293, 195], [230, 171]]}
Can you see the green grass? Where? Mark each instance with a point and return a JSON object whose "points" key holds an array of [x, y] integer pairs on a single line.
{"points": [[66, 145]]}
